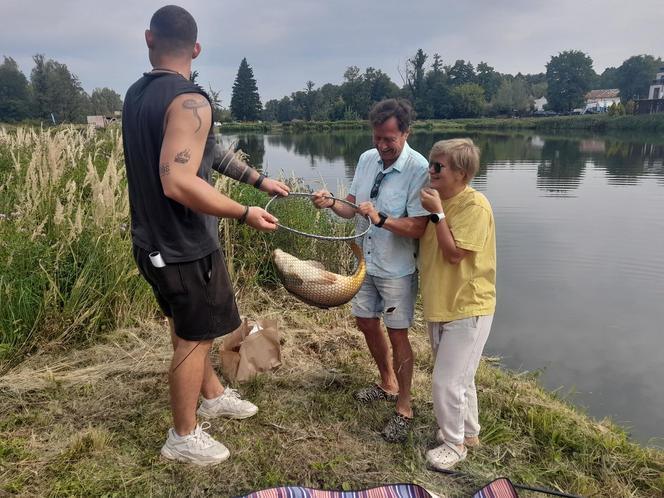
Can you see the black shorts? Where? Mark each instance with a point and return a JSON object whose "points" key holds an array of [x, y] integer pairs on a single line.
{"points": [[197, 295]]}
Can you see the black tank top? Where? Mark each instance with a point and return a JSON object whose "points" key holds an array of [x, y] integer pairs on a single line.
{"points": [[157, 222]]}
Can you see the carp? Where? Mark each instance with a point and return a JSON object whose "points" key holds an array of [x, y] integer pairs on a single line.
{"points": [[310, 282]]}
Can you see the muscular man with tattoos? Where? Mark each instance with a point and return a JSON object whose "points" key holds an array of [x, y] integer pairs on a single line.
{"points": [[169, 152]]}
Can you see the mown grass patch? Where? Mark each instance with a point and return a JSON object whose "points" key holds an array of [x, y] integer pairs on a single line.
{"points": [[91, 422]]}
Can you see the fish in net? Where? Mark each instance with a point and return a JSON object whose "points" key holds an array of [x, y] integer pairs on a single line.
{"points": [[318, 256]]}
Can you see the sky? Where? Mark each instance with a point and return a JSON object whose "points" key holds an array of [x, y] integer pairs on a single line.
{"points": [[288, 42]]}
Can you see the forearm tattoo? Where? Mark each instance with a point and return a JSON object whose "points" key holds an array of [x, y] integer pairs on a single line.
{"points": [[194, 105], [164, 169], [183, 156], [228, 165]]}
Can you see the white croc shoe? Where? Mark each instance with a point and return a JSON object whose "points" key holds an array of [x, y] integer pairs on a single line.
{"points": [[198, 448], [445, 456], [229, 404]]}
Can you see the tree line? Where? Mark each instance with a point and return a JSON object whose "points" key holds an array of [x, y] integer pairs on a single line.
{"points": [[456, 90], [436, 89], [52, 93]]}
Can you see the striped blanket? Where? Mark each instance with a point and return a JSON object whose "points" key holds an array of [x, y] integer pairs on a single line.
{"points": [[500, 488], [389, 491]]}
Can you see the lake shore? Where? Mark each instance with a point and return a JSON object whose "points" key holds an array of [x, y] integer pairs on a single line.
{"points": [[594, 122]]}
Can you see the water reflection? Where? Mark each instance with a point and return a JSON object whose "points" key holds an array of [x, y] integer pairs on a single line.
{"points": [[580, 273], [562, 164]]}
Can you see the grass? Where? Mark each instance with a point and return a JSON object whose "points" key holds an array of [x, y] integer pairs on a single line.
{"points": [[90, 422], [83, 395]]}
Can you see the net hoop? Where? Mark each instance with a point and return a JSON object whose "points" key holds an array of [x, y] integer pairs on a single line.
{"points": [[313, 235]]}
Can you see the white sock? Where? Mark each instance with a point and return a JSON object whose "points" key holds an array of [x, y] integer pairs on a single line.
{"points": [[212, 400]]}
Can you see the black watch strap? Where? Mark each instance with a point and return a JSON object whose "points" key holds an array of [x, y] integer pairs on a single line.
{"points": [[382, 217]]}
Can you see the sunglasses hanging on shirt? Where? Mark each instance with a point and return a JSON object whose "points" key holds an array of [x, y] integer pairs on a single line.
{"points": [[376, 185]]}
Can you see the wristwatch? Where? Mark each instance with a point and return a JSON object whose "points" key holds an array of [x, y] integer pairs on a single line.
{"points": [[382, 217], [437, 217]]}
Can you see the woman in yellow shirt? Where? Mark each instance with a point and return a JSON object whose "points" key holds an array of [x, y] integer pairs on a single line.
{"points": [[458, 275]]}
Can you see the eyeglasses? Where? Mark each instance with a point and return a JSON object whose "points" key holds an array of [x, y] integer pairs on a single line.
{"points": [[436, 166], [376, 185]]}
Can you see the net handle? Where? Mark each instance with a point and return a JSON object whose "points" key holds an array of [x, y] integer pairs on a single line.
{"points": [[313, 235]]}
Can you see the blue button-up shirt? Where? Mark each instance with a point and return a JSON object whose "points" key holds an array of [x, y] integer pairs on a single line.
{"points": [[388, 255]]}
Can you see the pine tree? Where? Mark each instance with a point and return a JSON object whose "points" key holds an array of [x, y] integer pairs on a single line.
{"points": [[245, 101]]}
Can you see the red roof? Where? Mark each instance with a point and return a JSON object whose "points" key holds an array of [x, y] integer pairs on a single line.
{"points": [[607, 93]]}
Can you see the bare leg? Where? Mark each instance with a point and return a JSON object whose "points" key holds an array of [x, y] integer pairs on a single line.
{"points": [[403, 367], [212, 386], [379, 349], [185, 380]]}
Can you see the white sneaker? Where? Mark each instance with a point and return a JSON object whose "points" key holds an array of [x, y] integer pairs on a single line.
{"points": [[198, 447], [229, 404]]}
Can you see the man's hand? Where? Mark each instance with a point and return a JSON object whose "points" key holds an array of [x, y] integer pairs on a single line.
{"points": [[368, 209], [261, 220], [431, 200], [273, 187], [321, 199]]}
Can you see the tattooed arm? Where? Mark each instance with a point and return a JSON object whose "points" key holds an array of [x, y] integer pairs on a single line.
{"points": [[226, 163], [186, 126]]}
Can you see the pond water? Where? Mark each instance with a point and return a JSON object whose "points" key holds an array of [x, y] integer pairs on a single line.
{"points": [[580, 231]]}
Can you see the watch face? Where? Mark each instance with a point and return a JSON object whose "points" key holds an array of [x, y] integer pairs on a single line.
{"points": [[434, 217]]}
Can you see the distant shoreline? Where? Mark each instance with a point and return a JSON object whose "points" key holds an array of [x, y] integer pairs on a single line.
{"points": [[595, 122]]}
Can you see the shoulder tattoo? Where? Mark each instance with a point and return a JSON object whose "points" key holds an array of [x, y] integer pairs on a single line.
{"points": [[194, 105], [164, 169]]}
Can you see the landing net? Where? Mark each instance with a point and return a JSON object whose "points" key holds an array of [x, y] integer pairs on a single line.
{"points": [[318, 257]]}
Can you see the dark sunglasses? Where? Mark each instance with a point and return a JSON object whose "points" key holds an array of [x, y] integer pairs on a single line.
{"points": [[376, 185], [436, 166]]}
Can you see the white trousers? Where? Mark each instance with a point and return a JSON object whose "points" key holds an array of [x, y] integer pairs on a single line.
{"points": [[457, 348]]}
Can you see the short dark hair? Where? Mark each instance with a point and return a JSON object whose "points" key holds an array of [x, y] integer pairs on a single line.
{"points": [[174, 29], [398, 108]]}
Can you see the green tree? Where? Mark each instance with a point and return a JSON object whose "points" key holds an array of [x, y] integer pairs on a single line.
{"points": [[569, 77], [57, 92], [104, 101], [215, 101], [634, 75], [379, 85], [468, 100], [355, 94], [310, 98], [461, 73], [284, 110], [270, 110], [513, 96], [489, 79], [608, 79], [14, 92], [245, 101]]}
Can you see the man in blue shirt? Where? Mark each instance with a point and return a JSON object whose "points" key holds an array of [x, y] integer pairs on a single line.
{"points": [[386, 187]]}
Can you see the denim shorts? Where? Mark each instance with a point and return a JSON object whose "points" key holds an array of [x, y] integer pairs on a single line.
{"points": [[390, 298]]}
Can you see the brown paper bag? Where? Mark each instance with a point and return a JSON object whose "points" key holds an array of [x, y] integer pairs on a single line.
{"points": [[243, 355]]}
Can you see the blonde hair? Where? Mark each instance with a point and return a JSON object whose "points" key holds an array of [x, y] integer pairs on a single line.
{"points": [[462, 154]]}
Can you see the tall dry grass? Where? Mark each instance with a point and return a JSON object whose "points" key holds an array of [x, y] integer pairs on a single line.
{"points": [[66, 270], [66, 273]]}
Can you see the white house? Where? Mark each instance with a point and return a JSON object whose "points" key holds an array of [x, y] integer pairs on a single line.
{"points": [[657, 86], [601, 100], [539, 104]]}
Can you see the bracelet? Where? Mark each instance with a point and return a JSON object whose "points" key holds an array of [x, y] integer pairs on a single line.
{"points": [[259, 181], [243, 218], [330, 206]]}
